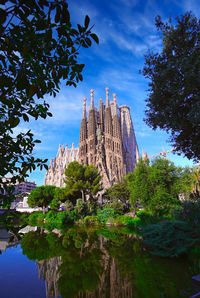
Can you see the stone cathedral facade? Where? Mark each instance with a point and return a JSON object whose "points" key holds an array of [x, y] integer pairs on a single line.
{"points": [[107, 140], [56, 172]]}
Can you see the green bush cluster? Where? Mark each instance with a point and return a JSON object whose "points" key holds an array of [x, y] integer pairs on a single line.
{"points": [[36, 217], [189, 211], [81, 208], [105, 214], [90, 220], [118, 206], [128, 221], [64, 217], [169, 238]]}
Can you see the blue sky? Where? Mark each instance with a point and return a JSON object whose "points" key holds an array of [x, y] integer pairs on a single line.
{"points": [[126, 30]]}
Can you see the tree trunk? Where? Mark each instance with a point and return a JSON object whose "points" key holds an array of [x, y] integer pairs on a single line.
{"points": [[83, 199], [134, 211], [43, 209]]}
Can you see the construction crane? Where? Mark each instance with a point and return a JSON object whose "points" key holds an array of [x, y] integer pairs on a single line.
{"points": [[163, 153]]}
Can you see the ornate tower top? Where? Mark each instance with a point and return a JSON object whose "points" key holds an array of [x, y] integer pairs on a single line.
{"points": [[92, 99], [84, 108], [107, 97], [115, 103]]}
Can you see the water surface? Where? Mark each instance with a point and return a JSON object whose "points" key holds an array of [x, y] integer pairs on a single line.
{"points": [[87, 262]]}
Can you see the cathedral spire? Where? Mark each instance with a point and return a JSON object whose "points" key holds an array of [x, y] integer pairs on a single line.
{"points": [[101, 113], [84, 108], [107, 97], [115, 103], [92, 99]]}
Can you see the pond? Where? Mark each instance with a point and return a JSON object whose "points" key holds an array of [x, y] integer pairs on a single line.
{"points": [[87, 262]]}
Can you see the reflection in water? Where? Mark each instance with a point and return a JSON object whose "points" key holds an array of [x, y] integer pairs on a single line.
{"points": [[8, 238], [86, 262], [48, 270], [85, 269]]}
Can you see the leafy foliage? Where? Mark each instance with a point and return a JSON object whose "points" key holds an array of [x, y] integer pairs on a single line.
{"points": [[119, 191], [157, 186], [36, 217], [196, 181], [81, 208], [169, 238], [81, 181], [189, 211], [116, 205], [105, 214], [39, 48], [173, 103], [41, 196], [35, 246]]}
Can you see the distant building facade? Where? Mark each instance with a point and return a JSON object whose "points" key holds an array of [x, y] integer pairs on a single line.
{"points": [[107, 140], [24, 186], [56, 172]]}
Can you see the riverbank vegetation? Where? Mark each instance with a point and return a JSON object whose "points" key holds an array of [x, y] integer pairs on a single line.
{"points": [[158, 200]]}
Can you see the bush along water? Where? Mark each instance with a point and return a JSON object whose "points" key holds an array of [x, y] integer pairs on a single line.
{"points": [[169, 238]]}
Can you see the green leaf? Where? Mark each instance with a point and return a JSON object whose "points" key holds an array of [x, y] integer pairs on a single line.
{"points": [[95, 37], [88, 41], [13, 121], [2, 16], [25, 117], [87, 21]]}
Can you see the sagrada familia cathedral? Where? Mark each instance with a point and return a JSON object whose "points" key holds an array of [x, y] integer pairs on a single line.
{"points": [[107, 140]]}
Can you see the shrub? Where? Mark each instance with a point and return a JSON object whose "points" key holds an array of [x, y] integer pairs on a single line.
{"points": [[90, 220], [194, 258], [116, 205], [130, 222], [51, 216], [93, 207], [144, 215], [169, 238], [68, 205], [105, 214], [64, 217], [68, 218], [189, 211], [81, 208], [55, 204], [24, 218], [36, 217]]}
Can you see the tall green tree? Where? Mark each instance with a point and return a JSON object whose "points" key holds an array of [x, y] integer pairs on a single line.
{"points": [[119, 192], [82, 180], [139, 186], [157, 186], [173, 102], [131, 190], [39, 48], [41, 196]]}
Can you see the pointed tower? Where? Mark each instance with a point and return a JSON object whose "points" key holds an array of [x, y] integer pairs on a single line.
{"points": [[101, 115], [130, 147], [83, 136], [108, 131], [118, 163], [107, 140], [91, 131]]}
